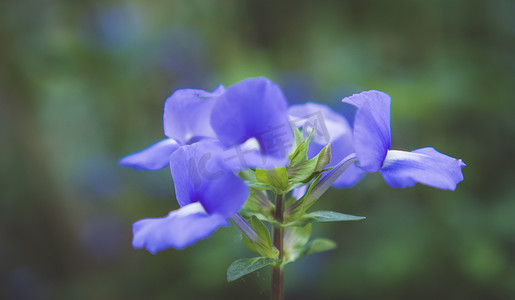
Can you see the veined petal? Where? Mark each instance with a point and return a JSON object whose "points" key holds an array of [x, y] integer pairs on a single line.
{"points": [[200, 175], [187, 114], [253, 108], [155, 157], [329, 124], [372, 136], [425, 165], [180, 229]]}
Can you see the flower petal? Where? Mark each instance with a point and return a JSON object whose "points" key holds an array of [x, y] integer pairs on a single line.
{"points": [[155, 157], [200, 175], [331, 128], [372, 136], [425, 165], [329, 124], [299, 192], [180, 229], [341, 148], [187, 114], [248, 155], [253, 108]]}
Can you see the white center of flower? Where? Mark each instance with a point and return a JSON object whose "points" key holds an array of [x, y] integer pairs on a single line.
{"points": [[250, 144], [396, 155], [190, 209]]}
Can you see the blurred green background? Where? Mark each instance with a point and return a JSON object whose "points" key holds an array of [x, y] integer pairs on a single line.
{"points": [[82, 83]]}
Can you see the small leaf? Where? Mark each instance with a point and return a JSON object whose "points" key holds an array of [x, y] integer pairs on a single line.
{"points": [[315, 192], [296, 237], [331, 216], [260, 186], [301, 152], [295, 240], [290, 201], [296, 243], [257, 204], [324, 216], [276, 178], [298, 139], [248, 175], [242, 267], [319, 245], [323, 158], [302, 172], [299, 207], [305, 171], [263, 246]]}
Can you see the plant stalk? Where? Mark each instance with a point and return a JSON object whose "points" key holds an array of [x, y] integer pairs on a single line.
{"points": [[277, 270]]}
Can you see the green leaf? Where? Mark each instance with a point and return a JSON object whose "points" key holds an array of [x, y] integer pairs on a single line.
{"points": [[297, 209], [263, 246], [323, 158], [319, 245], [290, 201], [295, 239], [301, 152], [305, 171], [324, 216], [331, 216], [276, 178], [242, 267], [313, 183], [302, 172], [296, 243], [297, 140], [257, 204], [248, 175], [303, 247]]}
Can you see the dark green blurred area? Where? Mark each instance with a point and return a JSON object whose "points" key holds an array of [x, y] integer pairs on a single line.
{"points": [[83, 84]]}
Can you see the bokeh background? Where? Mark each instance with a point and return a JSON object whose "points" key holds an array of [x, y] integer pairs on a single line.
{"points": [[82, 83]]}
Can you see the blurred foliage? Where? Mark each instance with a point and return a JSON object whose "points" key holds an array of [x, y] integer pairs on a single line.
{"points": [[82, 83]]}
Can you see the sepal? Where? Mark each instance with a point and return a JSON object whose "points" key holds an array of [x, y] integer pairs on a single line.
{"points": [[299, 151], [298, 208], [263, 244], [303, 172], [257, 204], [276, 179]]}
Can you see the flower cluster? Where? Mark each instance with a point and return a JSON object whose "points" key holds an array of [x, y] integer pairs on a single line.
{"points": [[226, 148]]}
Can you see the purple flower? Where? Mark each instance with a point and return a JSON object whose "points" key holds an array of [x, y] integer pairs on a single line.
{"points": [[208, 194], [186, 118], [372, 142], [330, 127], [252, 117], [249, 118], [202, 128]]}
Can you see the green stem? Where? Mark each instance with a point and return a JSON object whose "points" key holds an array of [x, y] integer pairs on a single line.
{"points": [[277, 270]]}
